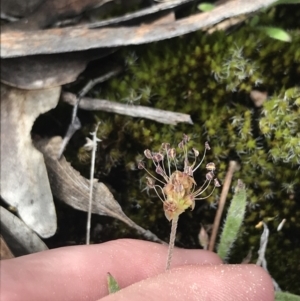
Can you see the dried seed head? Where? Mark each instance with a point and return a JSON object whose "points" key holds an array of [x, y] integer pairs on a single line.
{"points": [[196, 152], [217, 183], [159, 170], [211, 166], [207, 147], [165, 146], [179, 190], [148, 154], [157, 157], [209, 176], [150, 182]]}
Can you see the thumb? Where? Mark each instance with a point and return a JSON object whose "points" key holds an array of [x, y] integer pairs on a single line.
{"points": [[218, 283]]}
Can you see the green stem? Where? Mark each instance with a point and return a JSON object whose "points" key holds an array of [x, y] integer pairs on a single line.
{"points": [[172, 241]]}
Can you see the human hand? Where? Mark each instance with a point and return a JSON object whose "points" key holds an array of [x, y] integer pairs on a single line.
{"points": [[80, 273]]}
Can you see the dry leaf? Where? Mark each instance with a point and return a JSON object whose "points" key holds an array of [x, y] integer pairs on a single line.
{"points": [[20, 239], [45, 71], [5, 252], [76, 38], [73, 189], [50, 11], [24, 180]]}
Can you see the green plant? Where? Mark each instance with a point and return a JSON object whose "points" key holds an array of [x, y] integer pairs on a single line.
{"points": [[285, 296], [206, 6], [112, 284], [232, 225], [233, 221]]}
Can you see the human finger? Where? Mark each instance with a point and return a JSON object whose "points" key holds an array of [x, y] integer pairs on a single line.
{"points": [[205, 283], [80, 272]]}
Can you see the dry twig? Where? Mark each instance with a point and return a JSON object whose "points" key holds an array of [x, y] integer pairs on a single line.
{"points": [[157, 115], [75, 123], [233, 166]]}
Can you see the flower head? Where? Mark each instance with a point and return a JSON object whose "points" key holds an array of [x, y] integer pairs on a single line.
{"points": [[177, 189]]}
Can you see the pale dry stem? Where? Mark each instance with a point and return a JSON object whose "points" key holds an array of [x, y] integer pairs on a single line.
{"points": [[233, 166], [88, 225]]}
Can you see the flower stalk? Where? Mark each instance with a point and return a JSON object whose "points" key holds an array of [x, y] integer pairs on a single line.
{"points": [[172, 241]]}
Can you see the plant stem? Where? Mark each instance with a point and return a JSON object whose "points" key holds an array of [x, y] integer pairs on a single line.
{"points": [[88, 225], [233, 166], [172, 241]]}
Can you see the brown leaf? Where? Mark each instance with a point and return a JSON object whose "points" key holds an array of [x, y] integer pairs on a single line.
{"points": [[70, 187], [5, 252]]}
